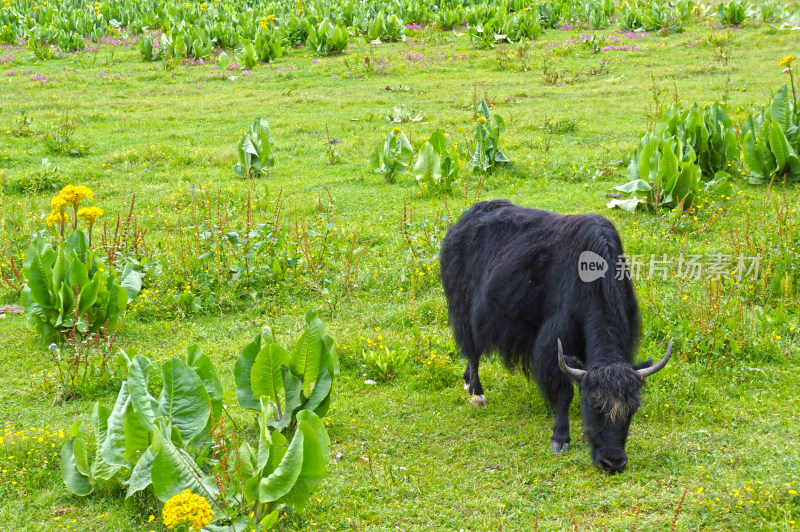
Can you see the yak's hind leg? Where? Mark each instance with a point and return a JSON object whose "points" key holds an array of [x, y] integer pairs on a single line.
{"points": [[472, 383]]}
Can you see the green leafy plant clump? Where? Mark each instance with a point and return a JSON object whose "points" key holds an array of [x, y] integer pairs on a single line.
{"points": [[436, 170], [289, 381], [255, 151], [164, 443], [71, 287], [487, 153], [325, 38], [148, 436], [690, 154], [394, 156], [771, 140]]}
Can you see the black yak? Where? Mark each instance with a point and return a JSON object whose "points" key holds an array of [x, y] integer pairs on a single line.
{"points": [[520, 282]]}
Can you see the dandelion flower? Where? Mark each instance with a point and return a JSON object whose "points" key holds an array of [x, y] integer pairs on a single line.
{"points": [[481, 120]]}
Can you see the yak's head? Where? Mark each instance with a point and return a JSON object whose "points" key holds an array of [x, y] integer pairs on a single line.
{"points": [[610, 395]]}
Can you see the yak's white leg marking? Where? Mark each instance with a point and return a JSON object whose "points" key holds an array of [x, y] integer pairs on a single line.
{"points": [[478, 400]]}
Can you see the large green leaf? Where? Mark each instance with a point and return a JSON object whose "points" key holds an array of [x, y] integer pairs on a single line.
{"points": [[315, 460], [686, 186], [751, 157], [305, 356], [428, 163], [293, 391], [37, 281], [145, 405], [243, 369], [629, 205], [647, 160], [265, 375], [88, 294], [112, 449], [137, 437], [321, 391], [78, 270], [99, 420], [173, 469], [184, 399], [265, 437], [779, 146], [780, 108], [131, 281], [74, 468], [668, 168], [283, 479], [141, 473], [78, 243], [637, 185], [202, 365], [65, 306]]}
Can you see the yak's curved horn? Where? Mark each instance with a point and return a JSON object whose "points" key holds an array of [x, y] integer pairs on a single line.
{"points": [[576, 374], [646, 372]]}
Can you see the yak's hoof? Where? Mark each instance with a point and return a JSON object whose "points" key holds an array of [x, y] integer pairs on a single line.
{"points": [[478, 400], [559, 447]]}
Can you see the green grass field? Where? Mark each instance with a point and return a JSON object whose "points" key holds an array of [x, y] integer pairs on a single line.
{"points": [[716, 444]]}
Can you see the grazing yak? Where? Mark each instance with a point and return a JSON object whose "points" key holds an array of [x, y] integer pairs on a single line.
{"points": [[520, 282]]}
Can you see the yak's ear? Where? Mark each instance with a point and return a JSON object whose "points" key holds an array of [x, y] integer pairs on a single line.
{"points": [[643, 365]]}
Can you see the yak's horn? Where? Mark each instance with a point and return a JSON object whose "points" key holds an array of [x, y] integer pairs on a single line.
{"points": [[576, 374], [646, 372]]}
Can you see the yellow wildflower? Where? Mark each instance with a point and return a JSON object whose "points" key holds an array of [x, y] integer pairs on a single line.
{"points": [[56, 217], [89, 214], [481, 120], [397, 131], [787, 61], [187, 508], [58, 202], [74, 194]]}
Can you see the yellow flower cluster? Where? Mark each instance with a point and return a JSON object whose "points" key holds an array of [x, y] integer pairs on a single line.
{"points": [[74, 194], [264, 23], [397, 131], [56, 217], [787, 61], [89, 214], [187, 508], [58, 202], [481, 120]]}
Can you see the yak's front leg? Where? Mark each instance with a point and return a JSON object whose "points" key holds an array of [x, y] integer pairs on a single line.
{"points": [[559, 442], [472, 383]]}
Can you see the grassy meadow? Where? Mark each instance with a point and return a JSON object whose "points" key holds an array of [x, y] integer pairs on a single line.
{"points": [[716, 444]]}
